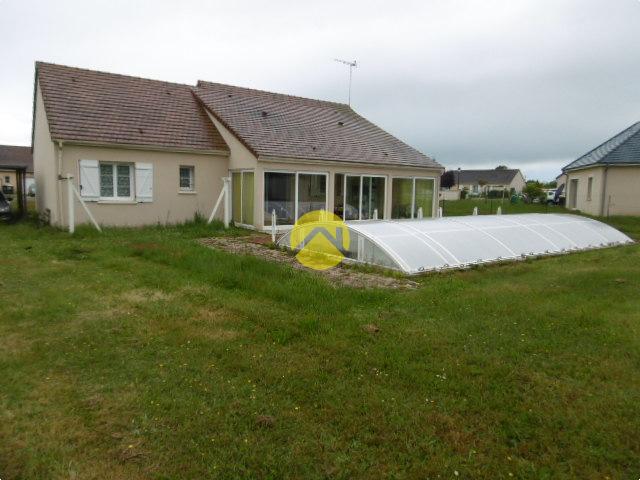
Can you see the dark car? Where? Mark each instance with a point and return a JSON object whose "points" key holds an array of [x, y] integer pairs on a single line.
{"points": [[5, 207]]}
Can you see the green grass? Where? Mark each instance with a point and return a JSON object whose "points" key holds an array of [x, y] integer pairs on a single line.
{"points": [[488, 206], [141, 354]]}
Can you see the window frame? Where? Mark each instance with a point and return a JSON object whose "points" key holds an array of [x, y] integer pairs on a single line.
{"points": [[297, 173], [344, 193], [192, 179], [114, 174], [413, 195], [589, 188]]}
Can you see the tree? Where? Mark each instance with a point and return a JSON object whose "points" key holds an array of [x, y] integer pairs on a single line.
{"points": [[448, 179], [533, 190], [502, 167]]}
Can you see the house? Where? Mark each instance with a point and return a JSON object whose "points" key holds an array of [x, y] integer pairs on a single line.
{"points": [[483, 181], [606, 180], [14, 159], [144, 151]]}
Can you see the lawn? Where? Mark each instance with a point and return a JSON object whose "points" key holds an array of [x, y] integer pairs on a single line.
{"points": [[488, 206], [142, 354]]}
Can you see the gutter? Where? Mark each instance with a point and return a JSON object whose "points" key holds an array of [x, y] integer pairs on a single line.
{"points": [[152, 148], [58, 192], [311, 161]]}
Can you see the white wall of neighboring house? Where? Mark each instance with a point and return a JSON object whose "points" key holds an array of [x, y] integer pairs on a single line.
{"points": [[614, 190]]}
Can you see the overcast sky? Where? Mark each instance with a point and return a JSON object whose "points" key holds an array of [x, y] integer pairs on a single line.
{"points": [[476, 83]]}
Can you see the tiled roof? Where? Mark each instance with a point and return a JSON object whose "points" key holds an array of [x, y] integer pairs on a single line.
{"points": [[90, 106], [622, 149], [13, 156], [277, 125], [492, 177]]}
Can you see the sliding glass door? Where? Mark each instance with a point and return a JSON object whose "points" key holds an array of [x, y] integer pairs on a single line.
{"points": [[242, 197], [363, 196], [312, 192], [292, 194], [410, 196], [372, 197]]}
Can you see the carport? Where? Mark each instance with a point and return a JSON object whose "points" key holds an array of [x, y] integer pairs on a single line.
{"points": [[16, 161]]}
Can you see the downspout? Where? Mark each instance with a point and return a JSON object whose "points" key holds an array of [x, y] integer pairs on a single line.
{"points": [[604, 193], [59, 190]]}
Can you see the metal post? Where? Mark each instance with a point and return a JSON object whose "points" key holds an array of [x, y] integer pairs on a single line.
{"points": [[71, 204], [439, 212], [420, 213], [499, 211], [375, 214], [84, 205], [475, 210]]}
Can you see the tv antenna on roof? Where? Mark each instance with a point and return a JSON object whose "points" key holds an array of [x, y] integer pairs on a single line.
{"points": [[351, 65]]}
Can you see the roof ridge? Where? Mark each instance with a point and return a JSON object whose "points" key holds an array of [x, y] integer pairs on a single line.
{"points": [[249, 89], [636, 124], [103, 72]]}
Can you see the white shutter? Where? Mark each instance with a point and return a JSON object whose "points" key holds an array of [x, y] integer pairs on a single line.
{"points": [[89, 180], [144, 182]]}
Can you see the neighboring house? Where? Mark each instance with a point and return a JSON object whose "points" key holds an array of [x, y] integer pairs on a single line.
{"points": [[482, 181], [606, 180], [13, 159], [145, 151]]}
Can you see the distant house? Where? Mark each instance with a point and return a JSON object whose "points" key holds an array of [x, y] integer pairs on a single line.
{"points": [[606, 180], [482, 181], [144, 151]]}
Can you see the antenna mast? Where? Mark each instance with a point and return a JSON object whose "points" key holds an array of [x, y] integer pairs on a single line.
{"points": [[351, 65]]}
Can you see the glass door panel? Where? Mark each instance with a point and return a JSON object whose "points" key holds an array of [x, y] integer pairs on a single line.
{"points": [[338, 196], [402, 198], [247, 198], [372, 197], [312, 192], [352, 198], [424, 197], [236, 197], [279, 195]]}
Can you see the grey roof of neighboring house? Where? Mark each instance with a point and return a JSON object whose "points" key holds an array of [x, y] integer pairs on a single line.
{"points": [[492, 177], [284, 126], [98, 107], [622, 149], [16, 157]]}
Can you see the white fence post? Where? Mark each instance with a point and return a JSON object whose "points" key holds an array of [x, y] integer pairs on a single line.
{"points": [[439, 212], [375, 214], [420, 214], [72, 207], [499, 211], [475, 210], [273, 225]]}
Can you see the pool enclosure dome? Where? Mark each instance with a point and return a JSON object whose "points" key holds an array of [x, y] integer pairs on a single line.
{"points": [[424, 245]]}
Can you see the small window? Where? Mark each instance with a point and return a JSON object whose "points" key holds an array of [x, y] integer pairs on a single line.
{"points": [[7, 179], [115, 181], [187, 179], [589, 188]]}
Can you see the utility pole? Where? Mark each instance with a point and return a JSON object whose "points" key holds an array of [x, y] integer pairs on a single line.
{"points": [[351, 65]]}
